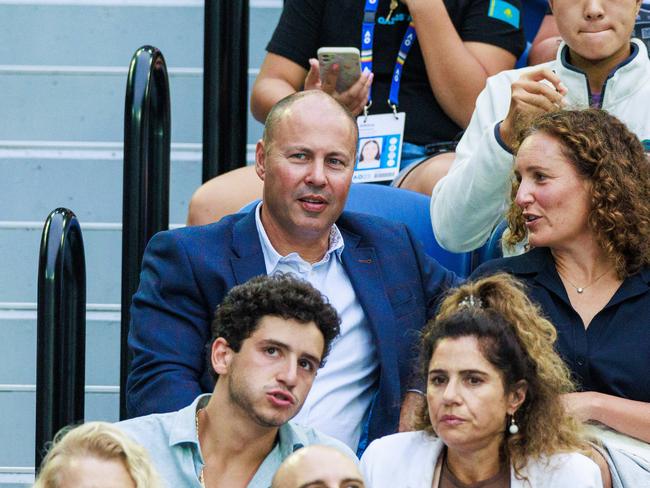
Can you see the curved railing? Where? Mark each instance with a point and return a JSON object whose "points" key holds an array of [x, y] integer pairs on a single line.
{"points": [[225, 86], [145, 211], [61, 328]]}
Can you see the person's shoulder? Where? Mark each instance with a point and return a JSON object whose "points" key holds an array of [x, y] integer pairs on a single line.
{"points": [[403, 440], [190, 236], [372, 229], [148, 429], [308, 436], [392, 447], [362, 221], [564, 470], [526, 263], [386, 460]]}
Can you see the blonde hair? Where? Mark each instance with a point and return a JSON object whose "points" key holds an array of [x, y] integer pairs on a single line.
{"points": [[518, 341], [99, 440]]}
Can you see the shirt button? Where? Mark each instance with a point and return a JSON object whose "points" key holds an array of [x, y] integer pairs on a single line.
{"points": [[581, 362]]}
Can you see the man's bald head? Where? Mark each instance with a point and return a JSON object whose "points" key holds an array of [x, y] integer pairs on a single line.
{"points": [[283, 108], [318, 467]]}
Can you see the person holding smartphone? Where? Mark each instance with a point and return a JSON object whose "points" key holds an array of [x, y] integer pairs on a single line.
{"points": [[459, 44]]}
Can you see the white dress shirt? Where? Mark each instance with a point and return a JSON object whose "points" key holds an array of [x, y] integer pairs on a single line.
{"points": [[344, 388]]}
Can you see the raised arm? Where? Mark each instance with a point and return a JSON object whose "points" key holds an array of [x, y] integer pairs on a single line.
{"points": [[280, 77], [458, 76], [468, 202]]}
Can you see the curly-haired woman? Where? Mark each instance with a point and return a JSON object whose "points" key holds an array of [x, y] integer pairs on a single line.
{"points": [[493, 416], [582, 198]]}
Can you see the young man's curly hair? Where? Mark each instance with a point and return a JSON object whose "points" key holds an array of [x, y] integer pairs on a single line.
{"points": [[280, 295], [607, 154]]}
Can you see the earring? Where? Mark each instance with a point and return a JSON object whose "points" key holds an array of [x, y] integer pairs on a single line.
{"points": [[514, 428]]}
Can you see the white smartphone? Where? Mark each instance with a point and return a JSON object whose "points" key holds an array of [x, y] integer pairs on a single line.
{"points": [[349, 66]]}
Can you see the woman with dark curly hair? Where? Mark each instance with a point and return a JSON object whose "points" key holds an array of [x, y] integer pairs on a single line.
{"points": [[493, 417], [582, 198]]}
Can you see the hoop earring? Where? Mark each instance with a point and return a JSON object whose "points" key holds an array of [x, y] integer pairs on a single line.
{"points": [[514, 428]]}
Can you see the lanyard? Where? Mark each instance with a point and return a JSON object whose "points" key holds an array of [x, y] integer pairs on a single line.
{"points": [[367, 37]]}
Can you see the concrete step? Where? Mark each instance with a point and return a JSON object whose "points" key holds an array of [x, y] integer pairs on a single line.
{"points": [[18, 378], [18, 347], [103, 252], [107, 33], [70, 105], [17, 423], [87, 180]]}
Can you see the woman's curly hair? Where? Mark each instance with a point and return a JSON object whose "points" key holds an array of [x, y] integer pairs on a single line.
{"points": [[518, 342], [607, 154]]}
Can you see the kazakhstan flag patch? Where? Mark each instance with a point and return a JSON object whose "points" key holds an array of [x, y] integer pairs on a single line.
{"points": [[502, 10]]}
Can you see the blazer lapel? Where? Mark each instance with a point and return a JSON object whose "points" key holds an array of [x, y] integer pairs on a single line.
{"points": [[364, 272], [248, 260]]}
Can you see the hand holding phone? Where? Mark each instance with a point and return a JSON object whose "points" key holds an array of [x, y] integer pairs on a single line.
{"points": [[347, 58]]}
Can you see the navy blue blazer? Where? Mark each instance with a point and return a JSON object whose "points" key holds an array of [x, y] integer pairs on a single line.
{"points": [[186, 273]]}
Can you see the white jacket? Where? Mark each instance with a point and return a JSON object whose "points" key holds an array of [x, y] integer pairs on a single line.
{"points": [[408, 459], [471, 200]]}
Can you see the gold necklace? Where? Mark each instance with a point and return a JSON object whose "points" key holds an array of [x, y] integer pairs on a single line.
{"points": [[196, 423], [581, 289]]}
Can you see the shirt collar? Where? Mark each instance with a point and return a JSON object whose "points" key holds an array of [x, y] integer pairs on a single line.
{"points": [[183, 428], [272, 257], [621, 82], [540, 263]]}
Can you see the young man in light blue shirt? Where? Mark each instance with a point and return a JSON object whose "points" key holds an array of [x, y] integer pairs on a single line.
{"points": [[270, 336]]}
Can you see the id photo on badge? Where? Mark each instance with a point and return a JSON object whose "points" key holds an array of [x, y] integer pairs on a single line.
{"points": [[370, 151]]}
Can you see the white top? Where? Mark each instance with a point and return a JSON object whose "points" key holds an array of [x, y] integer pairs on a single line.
{"points": [[471, 200], [344, 388], [407, 460]]}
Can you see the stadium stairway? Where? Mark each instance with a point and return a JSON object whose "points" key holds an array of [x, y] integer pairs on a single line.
{"points": [[63, 67]]}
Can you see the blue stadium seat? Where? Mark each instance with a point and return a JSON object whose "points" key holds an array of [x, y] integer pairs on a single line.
{"points": [[532, 16], [492, 248], [534, 11], [408, 207]]}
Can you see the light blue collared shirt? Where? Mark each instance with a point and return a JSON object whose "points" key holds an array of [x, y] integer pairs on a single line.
{"points": [[173, 444], [344, 388]]}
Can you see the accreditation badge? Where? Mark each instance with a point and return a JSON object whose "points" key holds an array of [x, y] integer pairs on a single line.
{"points": [[380, 147]]}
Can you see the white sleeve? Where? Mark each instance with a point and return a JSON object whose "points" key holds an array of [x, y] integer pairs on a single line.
{"points": [[571, 470], [471, 199], [368, 460]]}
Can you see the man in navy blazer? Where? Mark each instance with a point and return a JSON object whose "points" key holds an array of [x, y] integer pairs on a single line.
{"points": [[373, 271]]}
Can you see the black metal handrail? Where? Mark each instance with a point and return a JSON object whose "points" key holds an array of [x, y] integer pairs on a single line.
{"points": [[145, 211], [225, 86], [61, 328]]}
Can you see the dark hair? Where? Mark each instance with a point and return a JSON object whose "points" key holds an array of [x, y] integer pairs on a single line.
{"points": [[604, 152], [279, 295], [371, 141], [515, 338]]}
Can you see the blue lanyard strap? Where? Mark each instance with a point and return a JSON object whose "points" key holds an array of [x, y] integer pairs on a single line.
{"points": [[407, 42], [367, 38]]}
